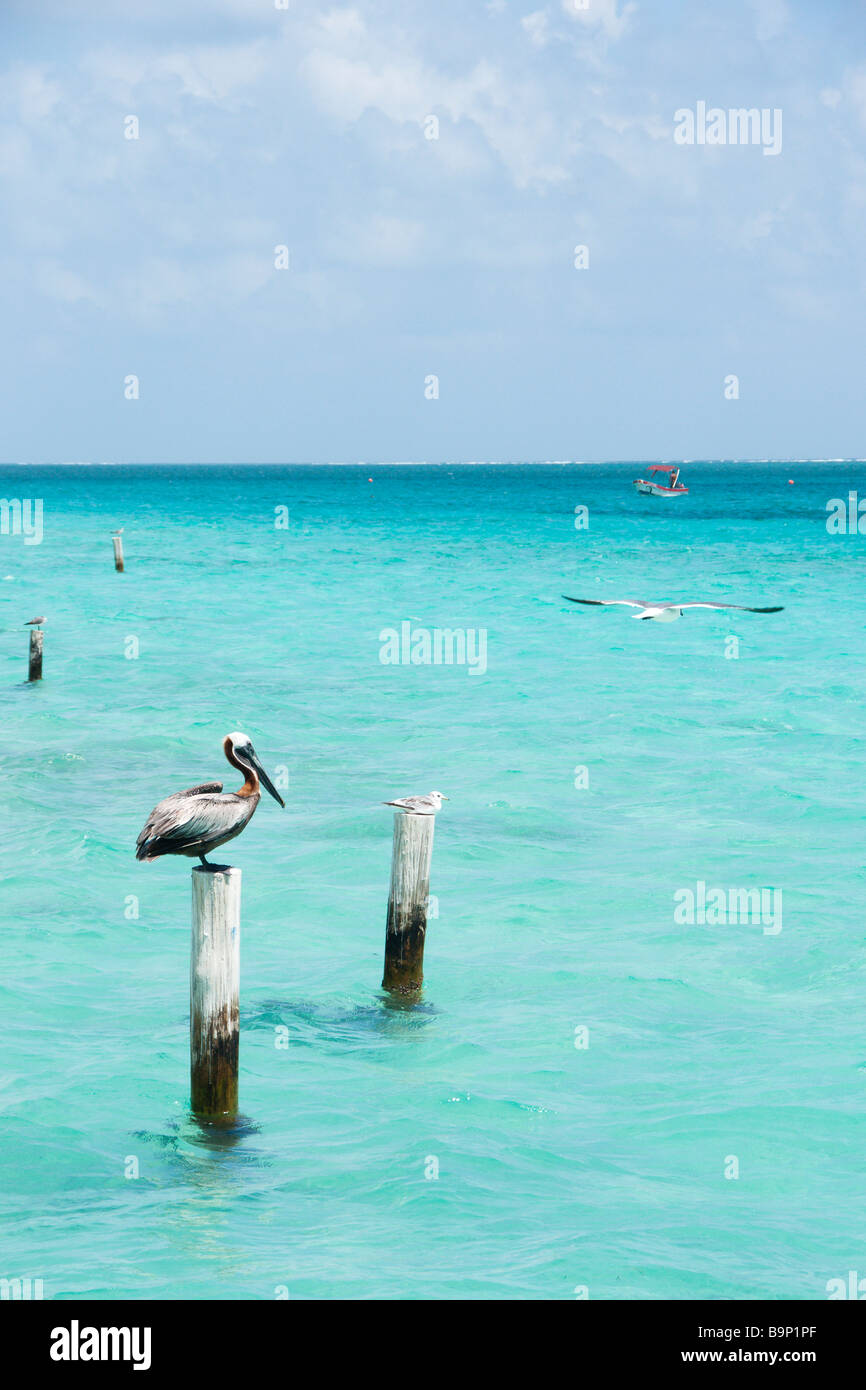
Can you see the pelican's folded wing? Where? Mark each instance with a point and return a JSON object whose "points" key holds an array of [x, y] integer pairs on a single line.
{"points": [[183, 816], [201, 789]]}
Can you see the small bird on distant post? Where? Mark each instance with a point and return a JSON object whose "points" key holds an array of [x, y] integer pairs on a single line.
{"points": [[35, 622]]}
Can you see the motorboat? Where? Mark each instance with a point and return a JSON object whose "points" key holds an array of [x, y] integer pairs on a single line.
{"points": [[658, 488]]}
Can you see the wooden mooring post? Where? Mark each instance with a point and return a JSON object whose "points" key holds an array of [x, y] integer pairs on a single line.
{"points": [[407, 902], [34, 670], [118, 553], [214, 992]]}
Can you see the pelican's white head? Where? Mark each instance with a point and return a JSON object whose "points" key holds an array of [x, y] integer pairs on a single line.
{"points": [[240, 745]]}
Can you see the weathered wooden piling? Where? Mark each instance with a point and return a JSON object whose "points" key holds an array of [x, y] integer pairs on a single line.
{"points": [[118, 553], [214, 991], [35, 666], [407, 902]]}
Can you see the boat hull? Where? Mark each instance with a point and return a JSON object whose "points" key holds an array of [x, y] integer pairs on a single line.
{"points": [[656, 489]]}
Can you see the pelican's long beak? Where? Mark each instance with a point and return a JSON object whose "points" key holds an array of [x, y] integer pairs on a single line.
{"points": [[265, 779]]}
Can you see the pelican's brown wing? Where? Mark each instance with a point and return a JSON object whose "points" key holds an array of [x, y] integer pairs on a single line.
{"points": [[185, 816]]}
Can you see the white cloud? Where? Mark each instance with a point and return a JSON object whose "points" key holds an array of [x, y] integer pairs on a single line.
{"points": [[759, 226], [35, 95], [212, 73], [537, 26], [514, 115], [605, 15], [16, 153], [380, 241], [208, 72], [54, 281], [159, 283], [343, 25], [189, 215], [771, 17], [855, 90], [801, 302], [347, 87]]}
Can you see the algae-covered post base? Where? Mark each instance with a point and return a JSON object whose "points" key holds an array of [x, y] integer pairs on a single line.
{"points": [[407, 903], [118, 553], [35, 666], [214, 991]]}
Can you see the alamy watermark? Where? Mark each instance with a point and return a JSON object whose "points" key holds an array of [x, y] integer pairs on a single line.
{"points": [[853, 1288], [22, 517], [22, 1289], [719, 907], [846, 518], [77, 1343], [736, 126], [437, 646]]}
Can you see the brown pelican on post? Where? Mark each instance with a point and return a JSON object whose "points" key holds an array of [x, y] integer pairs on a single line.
{"points": [[202, 818]]}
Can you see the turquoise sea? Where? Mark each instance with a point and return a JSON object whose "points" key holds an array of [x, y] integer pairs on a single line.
{"points": [[604, 1168]]}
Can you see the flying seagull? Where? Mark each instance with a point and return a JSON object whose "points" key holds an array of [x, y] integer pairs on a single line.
{"points": [[419, 805], [665, 612], [202, 818]]}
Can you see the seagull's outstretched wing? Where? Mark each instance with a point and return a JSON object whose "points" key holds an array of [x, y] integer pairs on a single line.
{"points": [[606, 602], [743, 607]]}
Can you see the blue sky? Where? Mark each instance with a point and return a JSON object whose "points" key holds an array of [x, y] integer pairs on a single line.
{"points": [[409, 256]]}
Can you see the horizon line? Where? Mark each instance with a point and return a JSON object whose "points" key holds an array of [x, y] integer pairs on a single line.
{"points": [[417, 463]]}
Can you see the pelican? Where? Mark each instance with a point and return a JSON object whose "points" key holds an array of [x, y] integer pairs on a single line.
{"points": [[663, 612], [204, 817]]}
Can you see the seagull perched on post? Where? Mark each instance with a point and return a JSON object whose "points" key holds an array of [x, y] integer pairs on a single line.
{"points": [[34, 622], [419, 805], [665, 612]]}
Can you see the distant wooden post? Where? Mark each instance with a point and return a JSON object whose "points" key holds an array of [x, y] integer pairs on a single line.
{"points": [[407, 902], [214, 989], [118, 553], [35, 671]]}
